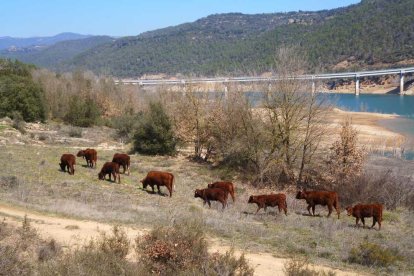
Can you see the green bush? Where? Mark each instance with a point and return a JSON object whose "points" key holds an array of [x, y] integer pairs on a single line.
{"points": [[83, 113], [18, 122], [19, 93], [371, 254], [154, 134], [75, 132]]}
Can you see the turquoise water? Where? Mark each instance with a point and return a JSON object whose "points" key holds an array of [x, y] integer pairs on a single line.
{"points": [[387, 104]]}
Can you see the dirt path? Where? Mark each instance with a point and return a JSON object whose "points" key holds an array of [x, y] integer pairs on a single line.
{"points": [[71, 232]]}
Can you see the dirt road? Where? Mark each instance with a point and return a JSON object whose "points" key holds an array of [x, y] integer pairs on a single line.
{"points": [[71, 232]]}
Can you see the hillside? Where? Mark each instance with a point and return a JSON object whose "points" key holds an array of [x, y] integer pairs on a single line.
{"points": [[373, 33], [55, 55], [16, 44]]}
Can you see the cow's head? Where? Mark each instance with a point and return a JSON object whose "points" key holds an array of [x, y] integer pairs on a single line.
{"points": [[349, 210], [80, 153], [101, 176], [301, 195], [62, 166], [198, 193], [251, 199], [144, 183]]}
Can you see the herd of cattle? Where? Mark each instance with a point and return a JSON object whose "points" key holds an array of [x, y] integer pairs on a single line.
{"points": [[219, 191]]}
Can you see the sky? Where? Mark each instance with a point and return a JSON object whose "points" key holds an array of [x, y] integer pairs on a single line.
{"points": [[27, 18]]}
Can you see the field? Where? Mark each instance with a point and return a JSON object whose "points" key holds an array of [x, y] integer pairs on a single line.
{"points": [[30, 177]]}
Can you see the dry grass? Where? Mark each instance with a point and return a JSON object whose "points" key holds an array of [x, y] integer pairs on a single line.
{"points": [[30, 176]]}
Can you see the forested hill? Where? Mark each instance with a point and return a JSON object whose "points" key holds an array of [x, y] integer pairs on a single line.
{"points": [[373, 33]]}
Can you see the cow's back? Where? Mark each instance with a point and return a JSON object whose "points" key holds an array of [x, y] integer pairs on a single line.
{"points": [[322, 197], [160, 178]]}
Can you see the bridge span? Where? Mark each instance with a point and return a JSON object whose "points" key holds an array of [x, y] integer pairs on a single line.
{"points": [[311, 77]]}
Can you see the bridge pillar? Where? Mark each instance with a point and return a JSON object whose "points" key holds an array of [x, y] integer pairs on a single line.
{"points": [[402, 83], [313, 85], [357, 85]]}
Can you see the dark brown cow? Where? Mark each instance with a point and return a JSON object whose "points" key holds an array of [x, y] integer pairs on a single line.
{"points": [[323, 198], [212, 194], [361, 211], [123, 160], [110, 168], [68, 160], [227, 186], [273, 200], [90, 155], [156, 178]]}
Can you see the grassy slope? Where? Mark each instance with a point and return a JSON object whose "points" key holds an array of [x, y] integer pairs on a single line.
{"points": [[36, 182]]}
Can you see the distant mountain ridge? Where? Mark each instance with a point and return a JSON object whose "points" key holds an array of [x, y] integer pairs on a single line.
{"points": [[7, 41]]}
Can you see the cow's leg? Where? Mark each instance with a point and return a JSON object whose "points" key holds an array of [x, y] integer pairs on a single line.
{"points": [[224, 203], [209, 203], [379, 223], [329, 210], [279, 208], [373, 222], [159, 190], [153, 190], [170, 190], [309, 207], [114, 175], [313, 209], [357, 222], [363, 221], [285, 209], [258, 208]]}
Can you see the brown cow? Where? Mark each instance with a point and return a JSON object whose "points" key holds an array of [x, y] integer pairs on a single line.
{"points": [[90, 155], [323, 198], [110, 168], [156, 178], [227, 186], [361, 211], [273, 200], [212, 194], [68, 160], [123, 160]]}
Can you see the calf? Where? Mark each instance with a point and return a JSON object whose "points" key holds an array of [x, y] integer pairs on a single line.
{"points": [[110, 168], [273, 200], [68, 160], [212, 194], [123, 160], [361, 211], [90, 155], [323, 198], [227, 186], [156, 178]]}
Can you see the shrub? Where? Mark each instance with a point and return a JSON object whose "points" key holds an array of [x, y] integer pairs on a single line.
{"points": [[104, 256], [300, 267], [154, 135], [18, 122], [182, 250], [371, 254], [75, 132], [18, 93], [83, 113], [382, 187], [126, 125]]}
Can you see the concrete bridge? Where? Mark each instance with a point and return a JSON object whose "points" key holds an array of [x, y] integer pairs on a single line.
{"points": [[313, 78]]}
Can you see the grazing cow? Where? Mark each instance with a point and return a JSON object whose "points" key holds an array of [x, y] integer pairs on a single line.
{"points": [[323, 198], [156, 178], [68, 160], [273, 200], [212, 194], [90, 156], [110, 168], [227, 186], [123, 160], [361, 211]]}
